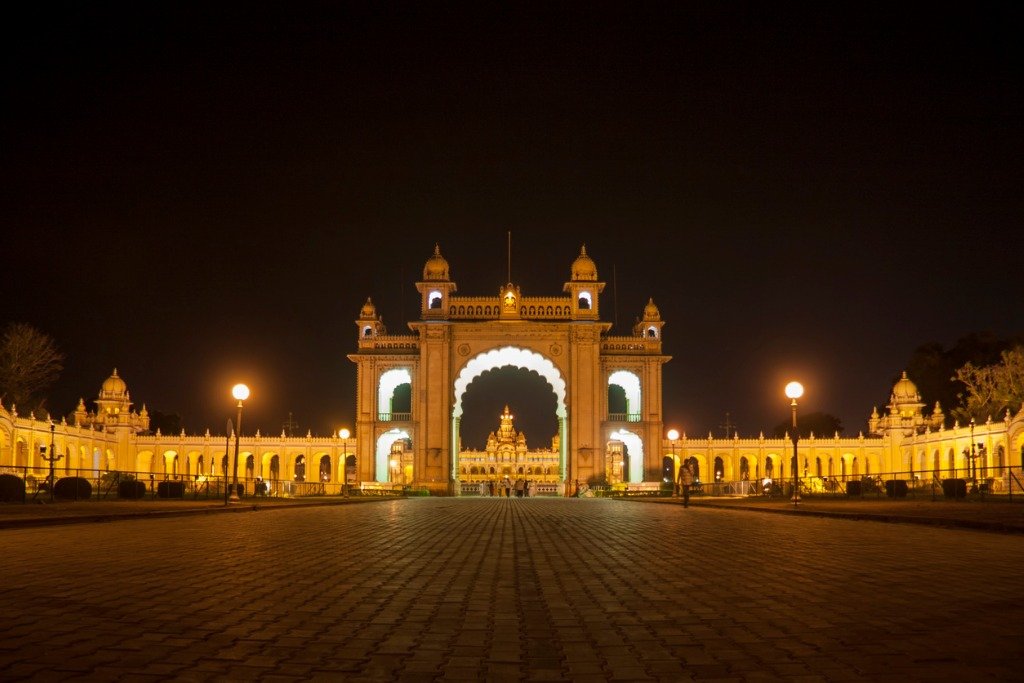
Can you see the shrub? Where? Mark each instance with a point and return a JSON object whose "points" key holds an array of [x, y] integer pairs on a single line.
{"points": [[131, 489], [954, 488], [12, 488], [72, 488], [896, 488], [854, 488], [171, 489]]}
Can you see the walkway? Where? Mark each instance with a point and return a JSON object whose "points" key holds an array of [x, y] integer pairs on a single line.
{"points": [[432, 589]]}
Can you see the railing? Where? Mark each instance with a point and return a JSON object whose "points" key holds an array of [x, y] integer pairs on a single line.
{"points": [[394, 417], [940, 483], [623, 417], [32, 483], [494, 488]]}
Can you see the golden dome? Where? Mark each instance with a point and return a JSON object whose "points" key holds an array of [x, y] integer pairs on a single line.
{"points": [[651, 311], [113, 386], [436, 267], [905, 391], [368, 311], [583, 268]]}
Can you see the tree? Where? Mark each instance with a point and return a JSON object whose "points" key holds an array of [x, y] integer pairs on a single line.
{"points": [[29, 365], [167, 423], [934, 368], [822, 424], [990, 390]]}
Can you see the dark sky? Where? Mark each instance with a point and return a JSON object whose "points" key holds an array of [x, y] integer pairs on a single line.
{"points": [[197, 195]]}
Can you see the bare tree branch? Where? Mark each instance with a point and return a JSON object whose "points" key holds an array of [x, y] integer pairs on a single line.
{"points": [[29, 364]]}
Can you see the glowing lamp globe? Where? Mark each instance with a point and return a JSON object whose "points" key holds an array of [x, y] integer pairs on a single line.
{"points": [[794, 390], [240, 392], [672, 434], [344, 433]]}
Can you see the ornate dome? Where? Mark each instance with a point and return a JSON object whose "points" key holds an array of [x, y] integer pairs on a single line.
{"points": [[113, 386], [436, 267], [905, 391], [368, 310], [583, 268], [651, 311]]}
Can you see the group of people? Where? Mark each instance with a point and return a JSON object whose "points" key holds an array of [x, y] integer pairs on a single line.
{"points": [[506, 488]]}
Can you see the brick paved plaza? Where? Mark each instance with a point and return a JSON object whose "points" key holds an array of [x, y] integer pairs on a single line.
{"points": [[499, 589]]}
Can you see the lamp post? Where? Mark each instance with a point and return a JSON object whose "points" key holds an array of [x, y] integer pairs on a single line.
{"points": [[344, 434], [240, 392], [227, 448], [52, 458], [795, 390], [673, 436], [972, 467]]}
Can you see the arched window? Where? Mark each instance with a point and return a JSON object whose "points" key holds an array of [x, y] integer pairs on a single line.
{"points": [[435, 300]]}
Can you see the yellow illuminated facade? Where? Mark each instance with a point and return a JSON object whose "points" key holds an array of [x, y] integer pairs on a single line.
{"points": [[507, 457], [608, 392]]}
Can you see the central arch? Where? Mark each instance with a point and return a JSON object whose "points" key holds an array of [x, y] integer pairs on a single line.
{"points": [[506, 356]]}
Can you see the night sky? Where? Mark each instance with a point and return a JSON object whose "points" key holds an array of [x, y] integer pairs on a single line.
{"points": [[199, 195]]}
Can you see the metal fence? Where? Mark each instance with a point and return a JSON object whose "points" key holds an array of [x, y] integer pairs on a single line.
{"points": [[996, 483], [30, 484]]}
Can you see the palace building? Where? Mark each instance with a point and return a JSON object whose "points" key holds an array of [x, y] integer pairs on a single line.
{"points": [[608, 406], [507, 457]]}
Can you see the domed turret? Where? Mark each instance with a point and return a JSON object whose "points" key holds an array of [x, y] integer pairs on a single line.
{"points": [[905, 391], [436, 267], [584, 268], [651, 311], [113, 387], [368, 311]]}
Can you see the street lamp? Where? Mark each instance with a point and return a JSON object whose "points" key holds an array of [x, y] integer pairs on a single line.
{"points": [[972, 468], [52, 458], [673, 436], [795, 390], [240, 392], [224, 463], [344, 434]]}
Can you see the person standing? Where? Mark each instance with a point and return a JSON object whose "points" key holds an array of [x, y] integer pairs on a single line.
{"points": [[685, 481]]}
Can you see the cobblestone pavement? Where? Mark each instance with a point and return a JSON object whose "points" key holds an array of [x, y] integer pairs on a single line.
{"points": [[497, 589]]}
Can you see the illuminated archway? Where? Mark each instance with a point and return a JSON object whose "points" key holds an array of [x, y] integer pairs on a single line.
{"points": [[503, 357], [630, 384], [634, 471], [389, 381], [382, 453]]}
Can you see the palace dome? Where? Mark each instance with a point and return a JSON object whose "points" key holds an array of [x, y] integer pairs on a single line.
{"points": [[651, 311], [436, 267], [113, 386], [368, 310], [905, 391], [584, 268]]}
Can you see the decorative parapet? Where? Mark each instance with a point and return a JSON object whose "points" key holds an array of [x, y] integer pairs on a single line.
{"points": [[395, 342], [530, 307], [612, 345]]}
